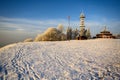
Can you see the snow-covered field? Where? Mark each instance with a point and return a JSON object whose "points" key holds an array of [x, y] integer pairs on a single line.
{"points": [[62, 60]]}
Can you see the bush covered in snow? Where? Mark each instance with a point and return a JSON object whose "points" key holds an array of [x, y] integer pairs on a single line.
{"points": [[28, 40], [51, 34]]}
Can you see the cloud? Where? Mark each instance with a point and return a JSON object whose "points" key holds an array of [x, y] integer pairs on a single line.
{"points": [[20, 29], [28, 25], [39, 26], [16, 24]]}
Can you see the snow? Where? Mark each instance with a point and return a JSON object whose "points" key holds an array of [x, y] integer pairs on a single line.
{"points": [[61, 60]]}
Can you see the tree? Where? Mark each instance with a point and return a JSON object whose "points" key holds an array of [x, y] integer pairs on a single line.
{"points": [[88, 34], [51, 34], [60, 28], [74, 33], [39, 38], [69, 33], [82, 32]]}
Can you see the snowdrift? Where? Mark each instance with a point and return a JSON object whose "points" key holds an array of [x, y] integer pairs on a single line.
{"points": [[61, 60]]}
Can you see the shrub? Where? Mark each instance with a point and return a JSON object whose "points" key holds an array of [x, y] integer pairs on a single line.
{"points": [[51, 34], [28, 40]]}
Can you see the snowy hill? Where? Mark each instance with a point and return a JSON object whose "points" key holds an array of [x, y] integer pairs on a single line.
{"points": [[61, 60]]}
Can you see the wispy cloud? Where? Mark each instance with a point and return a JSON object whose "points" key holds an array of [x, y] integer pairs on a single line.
{"points": [[28, 25], [18, 24]]}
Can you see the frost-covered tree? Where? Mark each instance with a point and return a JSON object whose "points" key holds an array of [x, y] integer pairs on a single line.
{"points": [[40, 37], [63, 36], [60, 28], [88, 34], [75, 32], [82, 32], [51, 34], [69, 33]]}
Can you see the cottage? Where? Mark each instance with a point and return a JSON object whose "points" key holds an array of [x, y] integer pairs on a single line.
{"points": [[105, 34]]}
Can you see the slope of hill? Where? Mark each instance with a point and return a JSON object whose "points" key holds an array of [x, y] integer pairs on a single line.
{"points": [[65, 60]]}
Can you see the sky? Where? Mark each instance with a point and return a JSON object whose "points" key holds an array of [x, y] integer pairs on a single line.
{"points": [[21, 19]]}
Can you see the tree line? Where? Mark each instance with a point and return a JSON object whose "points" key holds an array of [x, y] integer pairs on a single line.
{"points": [[59, 34]]}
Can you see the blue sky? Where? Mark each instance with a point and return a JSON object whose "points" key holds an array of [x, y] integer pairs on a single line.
{"points": [[27, 18], [54, 9]]}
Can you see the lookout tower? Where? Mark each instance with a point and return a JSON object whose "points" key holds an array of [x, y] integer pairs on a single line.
{"points": [[82, 18]]}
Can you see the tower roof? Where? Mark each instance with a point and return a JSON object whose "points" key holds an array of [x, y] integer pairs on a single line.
{"points": [[82, 15], [105, 31]]}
